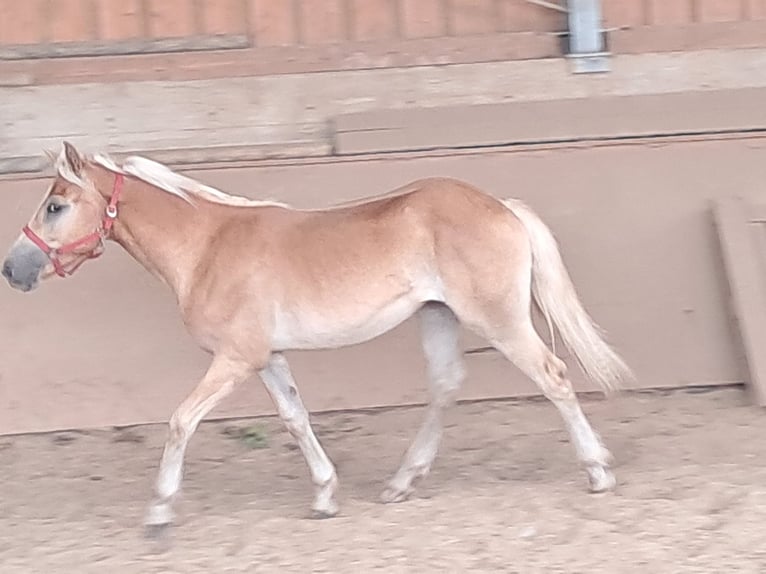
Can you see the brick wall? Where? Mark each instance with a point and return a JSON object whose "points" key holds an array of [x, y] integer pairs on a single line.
{"points": [[636, 13], [268, 22], [187, 39], [676, 25], [42, 21]]}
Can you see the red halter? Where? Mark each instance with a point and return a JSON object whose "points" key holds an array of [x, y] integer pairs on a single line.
{"points": [[101, 233]]}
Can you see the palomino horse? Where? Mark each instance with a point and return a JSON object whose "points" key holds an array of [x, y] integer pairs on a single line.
{"points": [[253, 279]]}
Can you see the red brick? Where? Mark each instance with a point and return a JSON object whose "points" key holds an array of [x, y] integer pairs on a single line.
{"points": [[516, 16], [21, 22], [468, 17], [119, 20], [755, 9], [322, 21], [617, 13], [224, 16], [171, 18], [719, 11], [423, 18], [373, 19], [670, 12], [273, 22], [70, 21]]}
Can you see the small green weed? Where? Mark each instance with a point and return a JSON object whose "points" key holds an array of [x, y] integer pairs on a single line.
{"points": [[253, 436]]}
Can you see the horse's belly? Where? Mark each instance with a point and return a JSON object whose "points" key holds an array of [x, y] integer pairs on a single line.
{"points": [[312, 329]]}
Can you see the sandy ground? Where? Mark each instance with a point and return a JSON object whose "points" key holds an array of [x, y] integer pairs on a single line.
{"points": [[506, 495]]}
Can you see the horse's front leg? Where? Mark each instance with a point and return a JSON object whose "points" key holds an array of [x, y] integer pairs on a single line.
{"points": [[281, 386], [221, 378]]}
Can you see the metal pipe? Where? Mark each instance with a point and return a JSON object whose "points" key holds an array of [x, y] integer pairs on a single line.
{"points": [[586, 39], [585, 27]]}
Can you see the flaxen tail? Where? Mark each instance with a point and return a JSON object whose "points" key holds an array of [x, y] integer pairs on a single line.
{"points": [[555, 294]]}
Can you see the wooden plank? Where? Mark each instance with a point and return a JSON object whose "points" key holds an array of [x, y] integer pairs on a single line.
{"points": [[577, 119], [663, 308], [746, 274], [126, 47]]}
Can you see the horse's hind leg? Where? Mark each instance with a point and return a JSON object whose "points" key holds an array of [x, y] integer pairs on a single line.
{"points": [[521, 344], [439, 331]]}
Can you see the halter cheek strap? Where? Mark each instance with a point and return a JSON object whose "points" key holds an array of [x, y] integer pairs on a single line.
{"points": [[99, 235]]}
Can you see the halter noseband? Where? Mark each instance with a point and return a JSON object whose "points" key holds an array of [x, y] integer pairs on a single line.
{"points": [[99, 235]]}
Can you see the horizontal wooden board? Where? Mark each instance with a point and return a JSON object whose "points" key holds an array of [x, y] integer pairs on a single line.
{"points": [[108, 347], [604, 118]]}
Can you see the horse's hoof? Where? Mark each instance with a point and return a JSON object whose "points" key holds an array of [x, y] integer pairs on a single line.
{"points": [[324, 510], [329, 510], [393, 495], [323, 514], [157, 525], [601, 479]]}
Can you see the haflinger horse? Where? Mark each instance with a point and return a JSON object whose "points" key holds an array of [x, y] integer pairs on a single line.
{"points": [[254, 279]]}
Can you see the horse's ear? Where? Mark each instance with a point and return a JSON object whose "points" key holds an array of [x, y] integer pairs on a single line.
{"points": [[73, 158]]}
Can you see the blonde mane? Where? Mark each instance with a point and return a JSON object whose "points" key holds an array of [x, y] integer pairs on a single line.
{"points": [[161, 177]]}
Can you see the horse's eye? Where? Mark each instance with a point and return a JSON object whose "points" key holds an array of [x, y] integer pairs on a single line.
{"points": [[54, 208]]}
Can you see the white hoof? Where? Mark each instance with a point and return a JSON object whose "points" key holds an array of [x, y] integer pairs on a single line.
{"points": [[159, 514], [324, 503], [601, 479], [393, 493]]}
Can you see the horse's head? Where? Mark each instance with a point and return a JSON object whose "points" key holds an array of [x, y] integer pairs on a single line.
{"points": [[68, 228]]}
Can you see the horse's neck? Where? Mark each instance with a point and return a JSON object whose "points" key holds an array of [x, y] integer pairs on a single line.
{"points": [[162, 232]]}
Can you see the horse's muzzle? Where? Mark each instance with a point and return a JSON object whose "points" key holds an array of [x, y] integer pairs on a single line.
{"points": [[23, 266]]}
